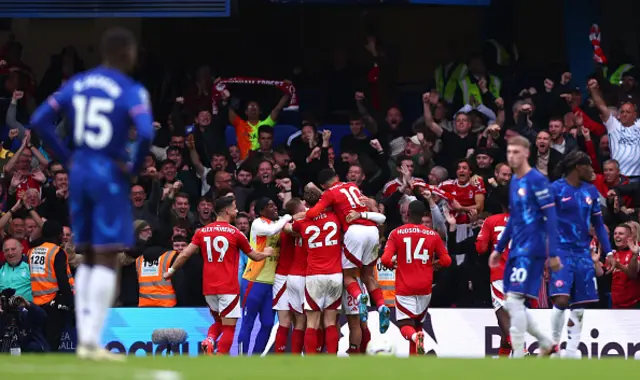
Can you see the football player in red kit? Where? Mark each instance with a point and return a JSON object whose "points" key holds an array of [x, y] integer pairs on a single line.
{"points": [[488, 237], [360, 244], [220, 244], [321, 238], [410, 249]]}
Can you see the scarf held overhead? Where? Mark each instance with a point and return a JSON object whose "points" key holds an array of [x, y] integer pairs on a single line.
{"points": [[220, 85]]}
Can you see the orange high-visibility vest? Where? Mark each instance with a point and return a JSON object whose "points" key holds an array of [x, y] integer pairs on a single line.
{"points": [[44, 283], [387, 280], [155, 291]]}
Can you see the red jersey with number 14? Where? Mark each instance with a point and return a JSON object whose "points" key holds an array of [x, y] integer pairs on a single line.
{"points": [[220, 245], [488, 238], [321, 238], [342, 197], [414, 246]]}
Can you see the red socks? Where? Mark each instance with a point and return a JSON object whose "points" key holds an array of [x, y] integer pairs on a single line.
{"points": [[331, 339], [224, 345], [407, 332], [354, 290], [215, 329], [297, 341], [366, 338], [281, 339], [377, 297], [320, 340], [413, 348], [311, 341]]}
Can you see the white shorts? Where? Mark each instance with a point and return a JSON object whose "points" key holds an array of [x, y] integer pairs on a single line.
{"points": [[295, 292], [227, 305], [323, 292], [349, 304], [497, 294], [280, 293], [360, 246], [412, 307]]}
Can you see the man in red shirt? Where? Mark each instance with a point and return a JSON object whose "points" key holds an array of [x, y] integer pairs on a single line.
{"points": [[489, 235], [410, 251], [625, 282], [321, 238], [360, 242], [468, 191], [220, 244]]}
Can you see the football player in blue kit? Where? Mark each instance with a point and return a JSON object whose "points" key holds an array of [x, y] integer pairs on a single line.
{"points": [[532, 230], [575, 284], [100, 106]]}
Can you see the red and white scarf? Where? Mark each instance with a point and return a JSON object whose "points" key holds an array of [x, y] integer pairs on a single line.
{"points": [[220, 85]]}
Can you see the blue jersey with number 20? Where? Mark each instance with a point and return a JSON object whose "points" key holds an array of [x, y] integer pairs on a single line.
{"points": [[101, 106]]}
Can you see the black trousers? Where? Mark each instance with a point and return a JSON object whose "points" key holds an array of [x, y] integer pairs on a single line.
{"points": [[56, 322]]}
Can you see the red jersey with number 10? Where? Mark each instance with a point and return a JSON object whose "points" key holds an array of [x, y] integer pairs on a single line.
{"points": [[220, 245], [414, 246], [342, 197], [321, 238], [488, 238]]}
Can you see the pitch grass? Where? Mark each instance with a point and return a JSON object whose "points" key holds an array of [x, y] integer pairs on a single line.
{"points": [[59, 367]]}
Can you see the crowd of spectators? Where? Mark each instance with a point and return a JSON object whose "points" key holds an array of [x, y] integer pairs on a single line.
{"points": [[456, 145]]}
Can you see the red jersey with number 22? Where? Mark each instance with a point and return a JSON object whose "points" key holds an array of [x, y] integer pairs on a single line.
{"points": [[414, 246], [342, 197], [220, 245], [321, 237], [488, 238]]}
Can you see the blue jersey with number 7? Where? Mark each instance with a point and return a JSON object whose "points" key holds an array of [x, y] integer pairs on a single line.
{"points": [[101, 106]]}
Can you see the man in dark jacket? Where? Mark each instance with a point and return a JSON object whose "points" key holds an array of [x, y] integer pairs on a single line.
{"points": [[31, 320]]}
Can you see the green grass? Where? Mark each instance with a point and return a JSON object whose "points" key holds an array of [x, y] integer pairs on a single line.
{"points": [[59, 367]]}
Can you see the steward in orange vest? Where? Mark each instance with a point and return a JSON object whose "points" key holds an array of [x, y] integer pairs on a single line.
{"points": [[154, 290]]}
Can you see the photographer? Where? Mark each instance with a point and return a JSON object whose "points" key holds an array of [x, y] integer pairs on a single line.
{"points": [[51, 281], [21, 320]]}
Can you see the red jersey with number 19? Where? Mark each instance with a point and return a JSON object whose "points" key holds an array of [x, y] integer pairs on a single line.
{"points": [[342, 197], [321, 237], [414, 246], [220, 245]]}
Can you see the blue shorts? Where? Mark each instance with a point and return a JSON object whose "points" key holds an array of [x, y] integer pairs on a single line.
{"points": [[576, 279], [523, 275], [99, 203]]}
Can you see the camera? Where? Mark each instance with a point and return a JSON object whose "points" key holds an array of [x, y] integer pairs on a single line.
{"points": [[10, 320]]}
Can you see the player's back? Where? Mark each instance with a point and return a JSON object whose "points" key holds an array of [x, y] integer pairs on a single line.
{"points": [[345, 197], [575, 207], [490, 233], [415, 246], [99, 108], [220, 245], [528, 197], [321, 237]]}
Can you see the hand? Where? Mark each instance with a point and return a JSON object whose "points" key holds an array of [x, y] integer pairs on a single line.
{"points": [[565, 78], [434, 97], [611, 263], [157, 125], [449, 217], [352, 216], [180, 100], [167, 275], [394, 262], [420, 136], [226, 95], [191, 142], [548, 85], [61, 193], [500, 103], [436, 265], [167, 190], [611, 194], [359, 96], [151, 171], [326, 135], [285, 184], [13, 133], [299, 216], [526, 108], [426, 194], [267, 252], [475, 180], [494, 259], [39, 176], [292, 167], [482, 85], [592, 84], [473, 215], [370, 203], [470, 152], [375, 144], [3, 63], [426, 98], [574, 132], [492, 182], [177, 185], [578, 119], [315, 154], [17, 206], [595, 255], [455, 205], [27, 138], [17, 95], [555, 263], [532, 90], [16, 180]]}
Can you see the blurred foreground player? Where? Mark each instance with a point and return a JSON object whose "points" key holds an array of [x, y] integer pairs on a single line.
{"points": [[100, 106], [532, 230], [411, 250], [220, 244]]}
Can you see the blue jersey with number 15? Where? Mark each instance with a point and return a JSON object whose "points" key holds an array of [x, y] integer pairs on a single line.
{"points": [[101, 105]]}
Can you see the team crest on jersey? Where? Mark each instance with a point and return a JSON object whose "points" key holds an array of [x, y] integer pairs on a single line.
{"points": [[522, 192], [588, 200], [559, 283]]}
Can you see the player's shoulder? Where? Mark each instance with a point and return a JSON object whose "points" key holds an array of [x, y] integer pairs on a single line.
{"points": [[590, 187], [537, 177]]}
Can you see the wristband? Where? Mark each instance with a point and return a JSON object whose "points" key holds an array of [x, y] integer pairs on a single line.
{"points": [[171, 271], [363, 215]]}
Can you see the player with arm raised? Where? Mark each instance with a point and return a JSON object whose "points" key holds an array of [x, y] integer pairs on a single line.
{"points": [[101, 105], [323, 289], [532, 230], [360, 242], [220, 244], [410, 250], [490, 233], [575, 284]]}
